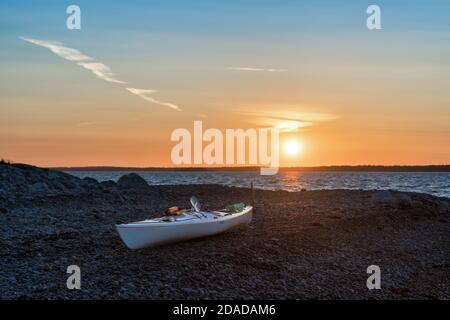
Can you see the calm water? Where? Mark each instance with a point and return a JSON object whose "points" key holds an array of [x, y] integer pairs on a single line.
{"points": [[433, 183]]}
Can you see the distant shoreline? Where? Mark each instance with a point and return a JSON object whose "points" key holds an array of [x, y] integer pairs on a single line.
{"points": [[425, 168]]}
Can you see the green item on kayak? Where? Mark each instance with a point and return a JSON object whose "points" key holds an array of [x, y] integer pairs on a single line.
{"points": [[235, 207]]}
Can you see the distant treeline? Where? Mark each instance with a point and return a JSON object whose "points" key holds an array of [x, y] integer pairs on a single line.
{"points": [[367, 168]]}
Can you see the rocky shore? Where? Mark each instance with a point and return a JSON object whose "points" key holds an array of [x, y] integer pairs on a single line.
{"points": [[303, 245]]}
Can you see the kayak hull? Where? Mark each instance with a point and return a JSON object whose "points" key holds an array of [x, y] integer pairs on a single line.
{"points": [[151, 234]]}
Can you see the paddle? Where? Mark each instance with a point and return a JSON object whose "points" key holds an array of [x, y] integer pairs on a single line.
{"points": [[196, 204]]}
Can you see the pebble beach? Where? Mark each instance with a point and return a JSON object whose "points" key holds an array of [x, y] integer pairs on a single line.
{"points": [[299, 245]]}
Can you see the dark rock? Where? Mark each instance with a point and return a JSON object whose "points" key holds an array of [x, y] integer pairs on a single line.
{"points": [[38, 188], [444, 206], [12, 280], [89, 180], [188, 291], [55, 175], [132, 182], [108, 184], [404, 200], [29, 182], [391, 199], [384, 197]]}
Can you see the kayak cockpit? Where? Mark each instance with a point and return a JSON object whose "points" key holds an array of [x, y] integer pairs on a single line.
{"points": [[187, 216]]}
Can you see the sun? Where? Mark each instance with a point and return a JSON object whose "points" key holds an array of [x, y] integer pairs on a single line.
{"points": [[292, 147]]}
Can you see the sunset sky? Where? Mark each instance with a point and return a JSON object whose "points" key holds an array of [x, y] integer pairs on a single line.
{"points": [[140, 69]]}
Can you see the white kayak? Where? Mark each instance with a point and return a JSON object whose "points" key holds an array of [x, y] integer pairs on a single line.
{"points": [[189, 225]]}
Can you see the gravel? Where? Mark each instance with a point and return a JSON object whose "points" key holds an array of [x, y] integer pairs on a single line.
{"points": [[300, 245]]}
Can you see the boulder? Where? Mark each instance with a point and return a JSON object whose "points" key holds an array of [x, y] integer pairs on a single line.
{"points": [[391, 199], [90, 181], [132, 181], [54, 175], [38, 189], [384, 197], [108, 184], [21, 180], [444, 206]]}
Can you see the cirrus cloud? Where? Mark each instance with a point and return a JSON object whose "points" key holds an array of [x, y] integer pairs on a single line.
{"points": [[144, 94], [256, 69], [286, 118], [60, 50], [99, 69]]}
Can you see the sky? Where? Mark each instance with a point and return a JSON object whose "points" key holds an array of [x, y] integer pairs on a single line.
{"points": [[113, 92]]}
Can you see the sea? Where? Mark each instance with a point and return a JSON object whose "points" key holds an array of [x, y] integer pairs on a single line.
{"points": [[435, 183]]}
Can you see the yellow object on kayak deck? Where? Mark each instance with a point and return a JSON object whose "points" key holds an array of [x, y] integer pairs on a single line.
{"points": [[174, 211]]}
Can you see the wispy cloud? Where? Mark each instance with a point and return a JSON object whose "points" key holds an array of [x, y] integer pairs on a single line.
{"points": [[256, 69], [60, 50], [284, 118], [99, 69], [144, 94]]}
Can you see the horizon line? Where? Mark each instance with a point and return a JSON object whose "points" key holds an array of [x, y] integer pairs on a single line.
{"points": [[364, 168]]}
